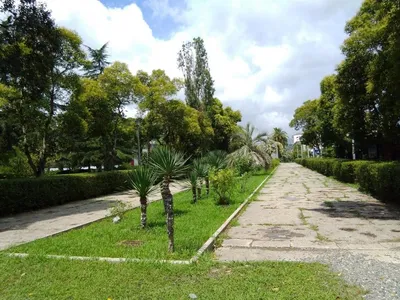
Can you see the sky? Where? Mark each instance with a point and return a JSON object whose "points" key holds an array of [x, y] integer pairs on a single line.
{"points": [[266, 56]]}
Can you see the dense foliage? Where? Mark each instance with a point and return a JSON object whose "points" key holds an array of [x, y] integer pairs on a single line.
{"points": [[360, 102], [63, 104], [21, 195]]}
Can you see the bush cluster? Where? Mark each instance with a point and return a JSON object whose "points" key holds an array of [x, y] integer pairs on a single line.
{"points": [[380, 179], [21, 195]]}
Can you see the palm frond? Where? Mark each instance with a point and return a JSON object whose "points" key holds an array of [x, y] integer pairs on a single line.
{"points": [[167, 162], [216, 159], [200, 167], [142, 180]]}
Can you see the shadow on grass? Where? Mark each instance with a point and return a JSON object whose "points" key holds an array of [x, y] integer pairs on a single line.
{"points": [[177, 212]]}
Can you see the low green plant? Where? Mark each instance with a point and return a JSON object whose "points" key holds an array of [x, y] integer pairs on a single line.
{"points": [[275, 162], [244, 180], [243, 165], [201, 168], [19, 164], [118, 209], [193, 181], [223, 183], [143, 181]]}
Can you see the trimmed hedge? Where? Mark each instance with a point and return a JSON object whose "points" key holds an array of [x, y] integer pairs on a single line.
{"points": [[21, 195], [380, 179]]}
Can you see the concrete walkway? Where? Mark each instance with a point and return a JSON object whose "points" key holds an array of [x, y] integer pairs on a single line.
{"points": [[30, 226], [301, 214]]}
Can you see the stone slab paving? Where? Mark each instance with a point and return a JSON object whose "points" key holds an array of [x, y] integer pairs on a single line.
{"points": [[301, 215], [27, 227]]}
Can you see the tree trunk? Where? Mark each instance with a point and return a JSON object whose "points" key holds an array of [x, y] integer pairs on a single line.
{"points": [[199, 192], [194, 194], [169, 208], [143, 212], [207, 185]]}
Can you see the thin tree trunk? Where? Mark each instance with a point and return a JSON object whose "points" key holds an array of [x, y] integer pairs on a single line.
{"points": [[143, 212], [199, 191], [194, 194], [169, 207], [162, 195], [207, 185]]}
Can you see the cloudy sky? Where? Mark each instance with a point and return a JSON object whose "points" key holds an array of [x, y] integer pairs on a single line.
{"points": [[266, 56]]}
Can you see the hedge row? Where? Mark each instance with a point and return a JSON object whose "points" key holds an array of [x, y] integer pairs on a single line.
{"points": [[380, 179], [21, 195]]}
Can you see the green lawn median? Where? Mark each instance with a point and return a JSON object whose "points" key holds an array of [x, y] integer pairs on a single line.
{"points": [[194, 224]]}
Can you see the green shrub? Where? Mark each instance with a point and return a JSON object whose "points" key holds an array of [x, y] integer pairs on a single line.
{"points": [[223, 183], [381, 180], [347, 172], [275, 163], [21, 195], [243, 181], [19, 164], [243, 165]]}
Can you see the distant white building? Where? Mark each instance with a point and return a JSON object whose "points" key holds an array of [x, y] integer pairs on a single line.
{"points": [[296, 138]]}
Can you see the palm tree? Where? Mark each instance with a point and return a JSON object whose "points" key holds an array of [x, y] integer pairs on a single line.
{"points": [[280, 136], [168, 164], [215, 160], [142, 180], [98, 61], [257, 147], [193, 181]]}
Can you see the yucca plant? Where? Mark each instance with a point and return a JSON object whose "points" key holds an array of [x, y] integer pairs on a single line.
{"points": [[214, 160], [168, 164], [193, 181], [142, 180], [201, 170]]}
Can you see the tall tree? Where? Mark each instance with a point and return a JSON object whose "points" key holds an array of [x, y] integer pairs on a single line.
{"points": [[224, 122], [39, 61], [280, 136], [199, 85], [306, 119], [98, 61], [368, 78], [106, 99]]}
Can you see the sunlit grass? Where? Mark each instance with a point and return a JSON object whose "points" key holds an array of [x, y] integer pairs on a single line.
{"points": [[38, 278], [194, 224]]}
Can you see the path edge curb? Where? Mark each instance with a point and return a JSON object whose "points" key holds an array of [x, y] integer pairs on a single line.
{"points": [[210, 242]]}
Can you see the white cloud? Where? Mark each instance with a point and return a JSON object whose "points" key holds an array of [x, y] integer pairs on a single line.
{"points": [[266, 56]]}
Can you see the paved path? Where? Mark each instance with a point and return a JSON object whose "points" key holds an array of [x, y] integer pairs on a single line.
{"points": [[301, 215], [30, 226], [300, 211]]}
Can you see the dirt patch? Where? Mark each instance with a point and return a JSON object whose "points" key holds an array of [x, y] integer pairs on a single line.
{"points": [[131, 243], [395, 230]]}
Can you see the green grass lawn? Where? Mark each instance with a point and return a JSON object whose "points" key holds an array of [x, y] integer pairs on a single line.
{"points": [[41, 278], [194, 224]]}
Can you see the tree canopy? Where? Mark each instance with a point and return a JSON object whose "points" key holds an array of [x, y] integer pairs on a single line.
{"points": [[65, 104], [360, 101]]}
